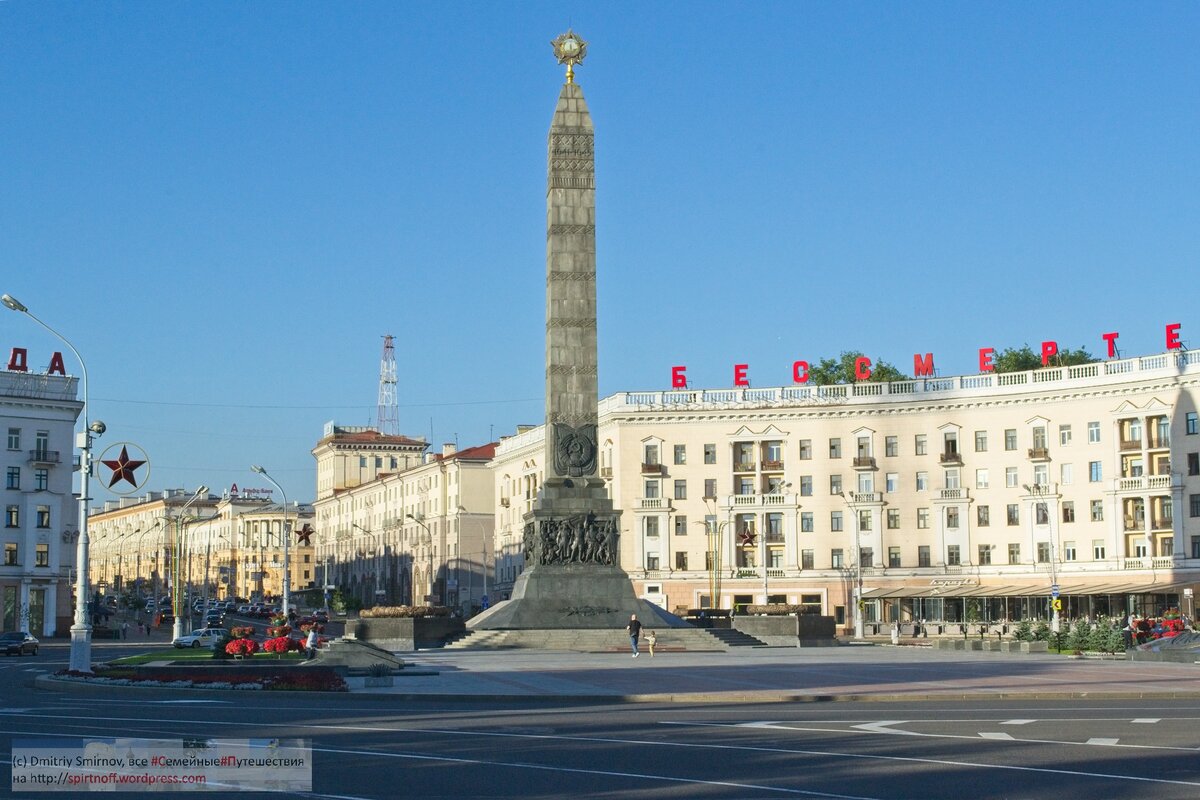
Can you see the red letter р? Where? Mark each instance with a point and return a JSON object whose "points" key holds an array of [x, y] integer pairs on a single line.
{"points": [[985, 359], [678, 377], [1173, 342], [739, 375], [922, 366], [1049, 350], [1111, 338], [862, 368], [57, 367], [800, 371], [16, 361]]}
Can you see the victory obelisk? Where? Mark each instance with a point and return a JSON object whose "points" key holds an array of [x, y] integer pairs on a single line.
{"points": [[572, 577]]}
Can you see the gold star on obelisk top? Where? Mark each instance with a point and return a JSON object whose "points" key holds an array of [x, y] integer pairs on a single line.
{"points": [[569, 49], [123, 469]]}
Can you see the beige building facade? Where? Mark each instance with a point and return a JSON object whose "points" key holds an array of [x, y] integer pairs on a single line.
{"points": [[958, 499]]}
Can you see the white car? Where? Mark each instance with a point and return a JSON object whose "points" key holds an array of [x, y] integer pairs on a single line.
{"points": [[204, 637]]}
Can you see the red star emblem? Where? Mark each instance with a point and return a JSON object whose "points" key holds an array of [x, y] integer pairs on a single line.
{"points": [[123, 469], [746, 538], [304, 535]]}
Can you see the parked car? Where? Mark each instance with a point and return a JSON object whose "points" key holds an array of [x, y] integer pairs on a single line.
{"points": [[243, 609], [19, 643], [321, 617], [204, 637]]}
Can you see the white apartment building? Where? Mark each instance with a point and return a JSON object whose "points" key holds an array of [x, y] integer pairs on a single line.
{"points": [[41, 529], [397, 525], [226, 545], [939, 498]]}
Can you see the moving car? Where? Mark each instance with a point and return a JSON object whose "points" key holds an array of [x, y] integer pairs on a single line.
{"points": [[18, 642], [204, 637]]}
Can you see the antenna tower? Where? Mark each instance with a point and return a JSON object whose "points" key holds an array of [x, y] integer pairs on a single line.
{"points": [[389, 409]]}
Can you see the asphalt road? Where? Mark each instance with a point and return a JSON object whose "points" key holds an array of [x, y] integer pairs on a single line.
{"points": [[376, 746]]}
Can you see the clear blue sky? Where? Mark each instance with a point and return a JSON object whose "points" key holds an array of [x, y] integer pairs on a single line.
{"points": [[225, 205]]}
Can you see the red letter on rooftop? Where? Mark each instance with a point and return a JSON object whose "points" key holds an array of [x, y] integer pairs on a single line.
{"points": [[862, 368], [800, 371], [922, 366], [1173, 342], [739, 375], [1111, 338], [985, 359], [678, 377], [1049, 351]]}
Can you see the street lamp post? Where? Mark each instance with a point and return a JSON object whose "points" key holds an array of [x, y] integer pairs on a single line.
{"points": [[483, 556], [1038, 492], [81, 630], [376, 546], [429, 546], [179, 604], [287, 540]]}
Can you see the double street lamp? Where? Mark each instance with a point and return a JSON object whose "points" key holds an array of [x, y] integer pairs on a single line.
{"points": [[287, 541], [179, 602], [81, 630]]}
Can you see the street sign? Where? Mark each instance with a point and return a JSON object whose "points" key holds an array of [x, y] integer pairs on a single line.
{"points": [[1054, 590]]}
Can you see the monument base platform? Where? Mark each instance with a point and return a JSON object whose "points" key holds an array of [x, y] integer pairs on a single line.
{"points": [[573, 597]]}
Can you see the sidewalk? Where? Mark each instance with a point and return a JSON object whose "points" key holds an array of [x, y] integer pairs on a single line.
{"points": [[878, 673]]}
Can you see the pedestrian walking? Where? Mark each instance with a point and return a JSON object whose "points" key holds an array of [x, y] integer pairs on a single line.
{"points": [[635, 630], [312, 642], [125, 629], [651, 640]]}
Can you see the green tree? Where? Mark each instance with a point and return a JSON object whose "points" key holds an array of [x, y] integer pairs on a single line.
{"points": [[841, 370], [1013, 359]]}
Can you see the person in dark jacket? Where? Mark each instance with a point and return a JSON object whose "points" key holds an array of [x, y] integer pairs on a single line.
{"points": [[635, 630]]}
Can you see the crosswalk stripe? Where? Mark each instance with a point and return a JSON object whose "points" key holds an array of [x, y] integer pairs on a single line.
{"points": [[1018, 721], [995, 735], [1099, 740], [1148, 720]]}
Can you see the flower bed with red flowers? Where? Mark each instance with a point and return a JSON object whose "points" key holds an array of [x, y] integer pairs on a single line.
{"points": [[242, 632], [281, 644], [242, 647], [279, 630]]}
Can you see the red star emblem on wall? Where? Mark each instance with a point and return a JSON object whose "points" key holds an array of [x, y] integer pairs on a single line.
{"points": [[304, 535], [746, 538], [123, 469]]}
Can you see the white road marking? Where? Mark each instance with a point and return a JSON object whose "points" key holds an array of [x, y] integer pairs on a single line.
{"points": [[1147, 720], [990, 735], [882, 727], [1018, 721], [1101, 740]]}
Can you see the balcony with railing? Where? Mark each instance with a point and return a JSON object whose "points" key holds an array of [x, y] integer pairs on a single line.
{"points": [[606, 472], [652, 469], [864, 462], [952, 457], [743, 466], [652, 503], [954, 494], [775, 537], [1157, 442], [44, 457], [1039, 454], [770, 500], [770, 465], [1131, 444], [1157, 562], [1143, 483], [864, 497]]}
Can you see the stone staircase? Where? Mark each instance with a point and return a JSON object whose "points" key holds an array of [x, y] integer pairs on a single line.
{"points": [[735, 638], [597, 641]]}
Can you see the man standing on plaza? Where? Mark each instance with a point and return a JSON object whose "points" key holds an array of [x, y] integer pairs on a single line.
{"points": [[635, 630]]}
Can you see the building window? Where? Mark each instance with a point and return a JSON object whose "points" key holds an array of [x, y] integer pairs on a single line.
{"points": [[362, 462], [835, 484], [835, 520], [806, 486], [14, 478], [650, 454], [920, 444], [1066, 474], [1093, 433], [710, 488], [1095, 474], [1010, 477], [10, 554], [12, 516], [1014, 553], [1043, 552], [835, 558], [1064, 435], [1068, 551], [1192, 424], [1193, 462], [1013, 513], [980, 441], [710, 454], [922, 481], [378, 462], [835, 448], [1041, 475], [805, 449], [1041, 513], [651, 491], [985, 554], [41, 555], [806, 559], [952, 517], [866, 557], [893, 557], [1010, 438], [891, 482], [864, 520], [1194, 505], [1098, 550], [891, 446], [806, 522], [652, 526], [681, 525], [922, 518], [1068, 509], [950, 479], [681, 454], [41, 479], [681, 559], [981, 479], [953, 558], [1039, 437], [652, 562], [1097, 511], [681, 490], [43, 516], [982, 516], [893, 519], [14, 438], [923, 555]]}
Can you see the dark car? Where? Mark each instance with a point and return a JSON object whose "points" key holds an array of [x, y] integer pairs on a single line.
{"points": [[19, 642]]}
